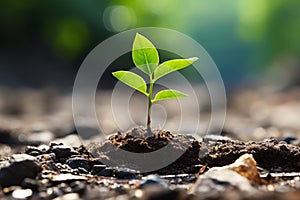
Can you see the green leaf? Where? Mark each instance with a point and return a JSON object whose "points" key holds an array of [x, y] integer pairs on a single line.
{"points": [[133, 80], [144, 54], [171, 66], [168, 94]]}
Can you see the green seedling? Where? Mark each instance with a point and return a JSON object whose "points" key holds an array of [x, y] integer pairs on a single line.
{"points": [[146, 58]]}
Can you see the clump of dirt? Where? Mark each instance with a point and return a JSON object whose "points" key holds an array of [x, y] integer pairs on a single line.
{"points": [[139, 140], [269, 154]]}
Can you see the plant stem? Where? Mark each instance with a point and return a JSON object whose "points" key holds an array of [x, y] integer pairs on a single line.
{"points": [[150, 103]]}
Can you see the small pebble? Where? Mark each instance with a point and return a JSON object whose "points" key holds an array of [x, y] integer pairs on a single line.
{"points": [[219, 179], [43, 148], [289, 139], [19, 167], [67, 177], [271, 140], [151, 180], [106, 172], [32, 150], [61, 151], [125, 173], [97, 169], [22, 193], [78, 162]]}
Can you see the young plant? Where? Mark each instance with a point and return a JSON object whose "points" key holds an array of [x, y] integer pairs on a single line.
{"points": [[146, 58]]}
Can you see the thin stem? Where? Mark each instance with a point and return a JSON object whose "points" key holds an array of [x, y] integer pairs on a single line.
{"points": [[150, 103]]}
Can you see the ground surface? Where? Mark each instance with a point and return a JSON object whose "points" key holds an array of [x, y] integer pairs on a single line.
{"points": [[42, 157]]}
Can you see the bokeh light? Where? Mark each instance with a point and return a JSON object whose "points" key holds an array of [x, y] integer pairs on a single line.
{"points": [[118, 18]]}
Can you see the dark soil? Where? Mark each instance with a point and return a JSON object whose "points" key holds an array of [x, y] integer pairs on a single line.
{"points": [[138, 140], [41, 156], [77, 169], [269, 154]]}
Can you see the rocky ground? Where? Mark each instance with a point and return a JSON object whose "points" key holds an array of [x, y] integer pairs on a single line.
{"points": [[257, 156]]}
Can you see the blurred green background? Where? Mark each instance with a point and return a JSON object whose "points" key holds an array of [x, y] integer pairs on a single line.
{"points": [[44, 42]]}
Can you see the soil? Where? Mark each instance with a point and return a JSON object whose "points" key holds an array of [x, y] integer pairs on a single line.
{"points": [[269, 154], [62, 165], [139, 140], [47, 161]]}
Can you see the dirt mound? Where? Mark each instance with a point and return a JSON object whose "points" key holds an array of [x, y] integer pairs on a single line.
{"points": [[139, 140], [270, 154]]}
